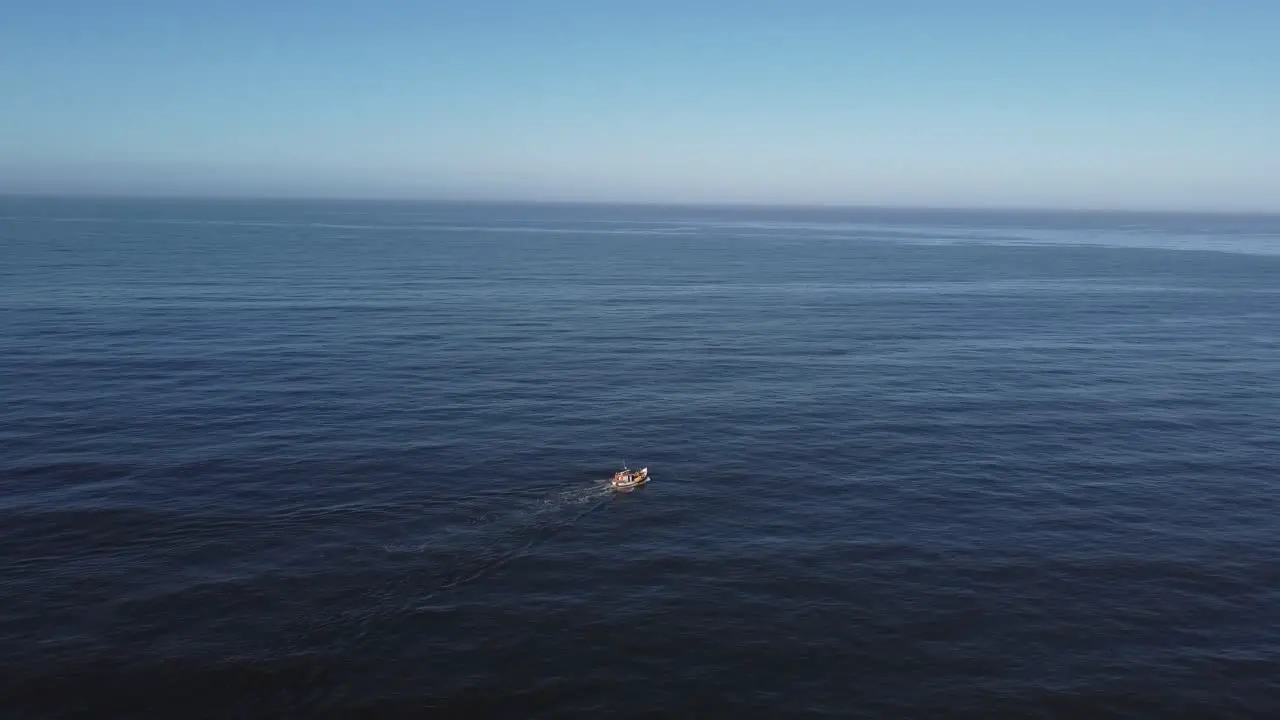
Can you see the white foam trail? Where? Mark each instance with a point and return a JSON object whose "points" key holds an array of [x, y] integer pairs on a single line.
{"points": [[498, 538]]}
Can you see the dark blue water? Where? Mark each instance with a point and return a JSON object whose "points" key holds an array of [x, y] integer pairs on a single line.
{"points": [[346, 460]]}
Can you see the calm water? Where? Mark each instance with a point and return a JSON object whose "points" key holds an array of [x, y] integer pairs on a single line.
{"points": [[341, 459]]}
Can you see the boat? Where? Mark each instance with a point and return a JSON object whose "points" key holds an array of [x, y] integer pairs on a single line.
{"points": [[626, 478]]}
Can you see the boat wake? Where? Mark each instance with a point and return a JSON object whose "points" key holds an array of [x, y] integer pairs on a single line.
{"points": [[470, 539], [490, 538]]}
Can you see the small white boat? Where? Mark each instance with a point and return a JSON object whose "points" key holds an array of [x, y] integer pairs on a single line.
{"points": [[626, 478]]}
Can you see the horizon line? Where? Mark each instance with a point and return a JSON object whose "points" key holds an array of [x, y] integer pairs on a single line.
{"points": [[229, 197]]}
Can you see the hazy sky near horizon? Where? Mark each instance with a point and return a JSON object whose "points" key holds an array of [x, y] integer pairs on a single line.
{"points": [[1143, 104]]}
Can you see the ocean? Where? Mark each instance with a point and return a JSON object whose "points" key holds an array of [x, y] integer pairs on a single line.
{"points": [[347, 459]]}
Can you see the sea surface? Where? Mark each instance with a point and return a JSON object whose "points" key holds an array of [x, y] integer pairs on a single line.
{"points": [[269, 459]]}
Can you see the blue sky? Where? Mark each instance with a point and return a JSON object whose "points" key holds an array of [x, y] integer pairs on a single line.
{"points": [[1143, 104]]}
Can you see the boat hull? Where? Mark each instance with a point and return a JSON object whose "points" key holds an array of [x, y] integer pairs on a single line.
{"points": [[627, 479]]}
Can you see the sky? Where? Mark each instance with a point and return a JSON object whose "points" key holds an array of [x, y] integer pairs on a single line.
{"points": [[1127, 104]]}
